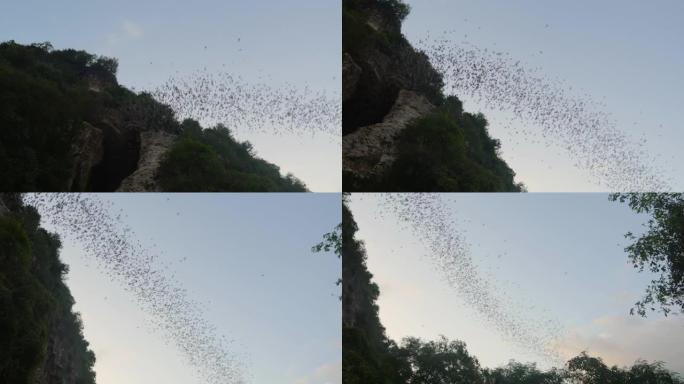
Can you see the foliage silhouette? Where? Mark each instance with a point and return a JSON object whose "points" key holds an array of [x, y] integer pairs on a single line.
{"points": [[660, 249]]}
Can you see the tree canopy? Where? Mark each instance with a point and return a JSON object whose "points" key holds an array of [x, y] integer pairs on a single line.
{"points": [[660, 249], [212, 160]]}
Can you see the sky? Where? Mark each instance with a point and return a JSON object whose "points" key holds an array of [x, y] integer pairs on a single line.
{"points": [[264, 41], [249, 261], [626, 54], [554, 258]]}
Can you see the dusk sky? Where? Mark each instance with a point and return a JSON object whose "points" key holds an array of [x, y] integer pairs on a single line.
{"points": [[626, 54], [257, 40], [247, 258], [555, 258]]}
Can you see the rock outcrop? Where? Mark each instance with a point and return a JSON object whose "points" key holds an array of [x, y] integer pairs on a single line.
{"points": [[42, 339], [351, 73], [386, 83], [370, 150], [153, 146], [88, 150], [62, 362], [66, 124]]}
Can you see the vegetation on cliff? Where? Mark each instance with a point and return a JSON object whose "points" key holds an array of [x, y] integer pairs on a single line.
{"points": [[449, 150], [213, 159], [49, 98], [369, 356], [446, 150], [36, 319]]}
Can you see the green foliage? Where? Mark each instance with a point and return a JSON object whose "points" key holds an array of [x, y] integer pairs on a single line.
{"points": [[397, 8], [519, 373], [394, 10], [660, 249], [331, 241], [440, 361], [448, 150], [25, 304], [46, 98], [591, 370], [35, 302], [212, 160]]}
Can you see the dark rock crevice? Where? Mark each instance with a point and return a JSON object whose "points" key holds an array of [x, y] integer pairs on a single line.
{"points": [[119, 159]]}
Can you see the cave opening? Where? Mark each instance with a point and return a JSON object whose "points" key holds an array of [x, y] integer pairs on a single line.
{"points": [[120, 159], [367, 107]]}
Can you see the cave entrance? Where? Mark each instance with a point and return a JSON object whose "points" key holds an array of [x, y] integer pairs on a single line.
{"points": [[120, 159], [367, 107]]}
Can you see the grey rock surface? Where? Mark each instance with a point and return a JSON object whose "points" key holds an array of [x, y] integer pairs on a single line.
{"points": [[153, 146], [372, 149], [87, 152]]}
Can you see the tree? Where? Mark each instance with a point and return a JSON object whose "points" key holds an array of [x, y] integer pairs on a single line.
{"points": [[591, 370], [439, 362], [396, 8], [332, 241], [108, 65], [519, 373], [660, 249]]}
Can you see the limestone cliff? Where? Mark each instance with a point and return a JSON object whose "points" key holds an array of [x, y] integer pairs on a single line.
{"points": [[400, 132], [66, 124], [386, 85], [41, 337], [370, 150]]}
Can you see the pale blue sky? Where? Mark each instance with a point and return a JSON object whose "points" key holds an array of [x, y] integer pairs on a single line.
{"points": [[562, 260], [296, 42], [628, 52], [286, 323]]}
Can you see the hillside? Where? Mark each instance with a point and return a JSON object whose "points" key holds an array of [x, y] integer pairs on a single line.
{"points": [[67, 125], [400, 132], [41, 340], [369, 356]]}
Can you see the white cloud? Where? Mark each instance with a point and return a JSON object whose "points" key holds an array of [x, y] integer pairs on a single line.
{"points": [[131, 29], [330, 373], [127, 31], [621, 340]]}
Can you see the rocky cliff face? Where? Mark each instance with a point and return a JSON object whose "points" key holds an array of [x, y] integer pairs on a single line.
{"points": [[63, 360], [88, 150], [400, 132], [44, 344], [67, 125], [153, 146], [386, 85], [122, 149], [370, 150]]}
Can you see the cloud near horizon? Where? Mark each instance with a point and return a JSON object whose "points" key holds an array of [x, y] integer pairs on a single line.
{"points": [[330, 373], [622, 340]]}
